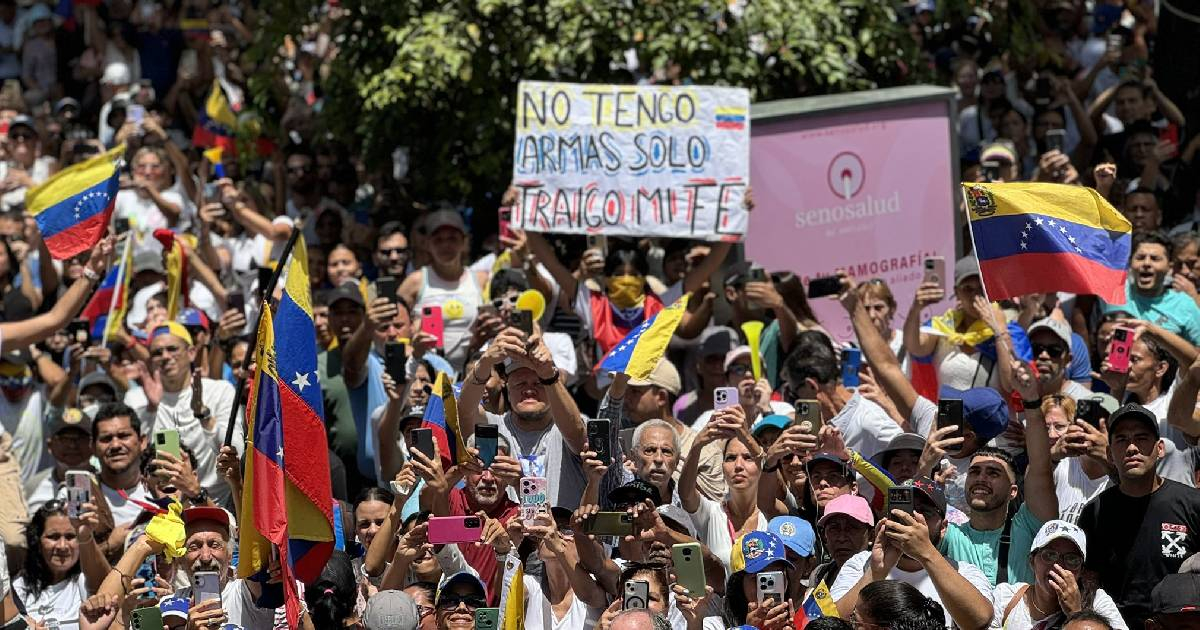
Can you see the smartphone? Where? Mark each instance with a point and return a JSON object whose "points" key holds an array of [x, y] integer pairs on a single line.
{"points": [[1115, 43], [1042, 92], [991, 170], [1170, 133], [851, 362], [637, 595], [136, 113], [950, 412], [821, 287], [147, 618], [385, 287], [444, 530], [598, 242], [534, 494], [167, 441], [935, 271], [147, 571], [264, 278], [725, 397], [505, 214], [423, 441], [236, 301], [487, 440], [522, 320], [771, 584], [120, 226], [900, 498], [395, 356], [809, 411], [79, 491], [597, 437], [431, 322], [1089, 411], [609, 524], [1056, 139], [689, 567], [77, 330], [626, 437], [487, 618], [1118, 349], [206, 585]]}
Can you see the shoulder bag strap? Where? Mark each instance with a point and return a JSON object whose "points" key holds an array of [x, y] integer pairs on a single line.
{"points": [[1002, 552], [1012, 603]]}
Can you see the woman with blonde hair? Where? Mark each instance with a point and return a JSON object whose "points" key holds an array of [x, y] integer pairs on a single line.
{"points": [[146, 199]]}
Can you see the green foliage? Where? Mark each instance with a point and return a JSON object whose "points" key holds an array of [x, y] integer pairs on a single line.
{"points": [[441, 77]]}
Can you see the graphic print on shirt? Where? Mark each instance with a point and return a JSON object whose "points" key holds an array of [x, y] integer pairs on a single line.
{"points": [[1174, 539]]}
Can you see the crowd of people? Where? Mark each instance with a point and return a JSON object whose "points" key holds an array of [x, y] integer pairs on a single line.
{"points": [[1025, 464]]}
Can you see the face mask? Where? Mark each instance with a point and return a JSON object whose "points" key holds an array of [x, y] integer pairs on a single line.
{"points": [[626, 291], [91, 410]]}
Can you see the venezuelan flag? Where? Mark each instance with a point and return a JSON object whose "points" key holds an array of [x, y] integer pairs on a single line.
{"points": [[640, 350], [73, 207], [112, 295], [1038, 238], [818, 604], [441, 417], [264, 518], [177, 271], [217, 123]]}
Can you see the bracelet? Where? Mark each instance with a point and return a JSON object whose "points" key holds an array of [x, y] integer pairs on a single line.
{"points": [[552, 380], [90, 275], [771, 468]]}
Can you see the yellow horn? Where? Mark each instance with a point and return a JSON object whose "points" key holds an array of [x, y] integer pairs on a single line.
{"points": [[753, 332]]}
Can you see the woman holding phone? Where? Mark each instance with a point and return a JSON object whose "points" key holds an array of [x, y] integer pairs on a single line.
{"points": [[62, 565]]}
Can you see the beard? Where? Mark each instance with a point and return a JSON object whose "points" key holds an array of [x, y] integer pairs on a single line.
{"points": [[532, 416]]}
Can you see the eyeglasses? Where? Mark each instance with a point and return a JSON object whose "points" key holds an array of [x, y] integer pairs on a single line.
{"points": [[162, 350], [450, 601], [1053, 351], [500, 303], [1070, 559], [739, 370], [393, 251]]}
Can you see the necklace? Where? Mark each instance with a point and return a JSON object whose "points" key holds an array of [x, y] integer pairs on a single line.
{"points": [[1033, 602]]}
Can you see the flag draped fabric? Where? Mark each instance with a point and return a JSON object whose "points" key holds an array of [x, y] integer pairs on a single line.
{"points": [[289, 494], [216, 123], [978, 336], [512, 605], [175, 263], [441, 417], [112, 296], [1042, 238], [818, 604], [640, 350], [73, 208]]}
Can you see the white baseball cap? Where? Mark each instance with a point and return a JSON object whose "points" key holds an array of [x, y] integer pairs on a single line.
{"points": [[1055, 529]]}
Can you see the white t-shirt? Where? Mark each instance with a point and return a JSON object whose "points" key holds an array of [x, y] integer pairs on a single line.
{"points": [[540, 616], [852, 572], [239, 606], [714, 529], [144, 214], [1074, 488], [1020, 619], [23, 420], [125, 510], [865, 426], [60, 601]]}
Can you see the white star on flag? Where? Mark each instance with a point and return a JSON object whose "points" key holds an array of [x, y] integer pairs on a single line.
{"points": [[301, 381], [1038, 220], [1071, 239], [1062, 229], [1051, 222], [1023, 245]]}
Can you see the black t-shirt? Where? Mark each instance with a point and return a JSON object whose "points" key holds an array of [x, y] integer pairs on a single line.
{"points": [[1133, 542]]}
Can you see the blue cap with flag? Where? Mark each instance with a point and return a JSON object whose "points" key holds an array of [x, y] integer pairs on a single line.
{"points": [[983, 409], [795, 533], [758, 550]]}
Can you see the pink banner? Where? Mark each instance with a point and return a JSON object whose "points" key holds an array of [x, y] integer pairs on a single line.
{"points": [[868, 191]]}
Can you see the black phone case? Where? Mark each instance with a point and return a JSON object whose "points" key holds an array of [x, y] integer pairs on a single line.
{"points": [[598, 440]]}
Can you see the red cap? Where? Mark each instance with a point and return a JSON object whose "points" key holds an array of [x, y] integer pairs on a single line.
{"points": [[206, 513]]}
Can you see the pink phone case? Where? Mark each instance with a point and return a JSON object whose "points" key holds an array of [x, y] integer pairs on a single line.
{"points": [[725, 397], [1118, 353], [431, 322], [444, 530], [533, 496]]}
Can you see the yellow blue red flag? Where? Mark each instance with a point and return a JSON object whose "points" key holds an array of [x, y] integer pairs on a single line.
{"points": [[1042, 238], [73, 208], [640, 350], [216, 123]]}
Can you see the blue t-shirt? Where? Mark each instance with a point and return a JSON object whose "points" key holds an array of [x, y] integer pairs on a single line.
{"points": [[1173, 311], [363, 400], [1080, 369]]}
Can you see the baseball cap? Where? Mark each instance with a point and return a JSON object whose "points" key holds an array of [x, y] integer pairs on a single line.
{"points": [[735, 354], [345, 291], [99, 377], [391, 609], [1134, 411], [757, 550], [717, 340], [998, 151], [64, 103], [147, 260], [193, 317], [70, 418], [1056, 529], [444, 218], [964, 268], [737, 273], [1176, 593], [117, 74], [851, 505], [176, 607], [664, 375], [983, 409], [826, 457], [676, 514], [462, 577], [1056, 326], [926, 5], [1107, 402], [635, 491], [902, 442], [206, 513], [21, 120], [412, 411], [795, 533], [773, 421], [931, 489], [17, 356], [173, 328]]}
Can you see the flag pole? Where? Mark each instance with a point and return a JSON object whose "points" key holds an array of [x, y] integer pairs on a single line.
{"points": [[112, 303], [239, 395]]}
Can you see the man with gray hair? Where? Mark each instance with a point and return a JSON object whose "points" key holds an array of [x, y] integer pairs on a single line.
{"points": [[639, 619]]}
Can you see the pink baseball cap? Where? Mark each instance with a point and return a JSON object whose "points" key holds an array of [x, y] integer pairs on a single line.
{"points": [[851, 505]]}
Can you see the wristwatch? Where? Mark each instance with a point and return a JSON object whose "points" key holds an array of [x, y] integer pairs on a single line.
{"points": [[552, 380], [1031, 404], [199, 499], [204, 414]]}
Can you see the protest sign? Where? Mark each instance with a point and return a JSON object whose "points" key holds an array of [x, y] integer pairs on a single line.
{"points": [[865, 182], [632, 160]]}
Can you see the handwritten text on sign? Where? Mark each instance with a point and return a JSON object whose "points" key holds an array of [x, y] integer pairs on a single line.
{"points": [[634, 160]]}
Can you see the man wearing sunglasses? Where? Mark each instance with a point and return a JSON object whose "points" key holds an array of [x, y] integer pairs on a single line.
{"points": [[391, 251], [459, 596], [1050, 340]]}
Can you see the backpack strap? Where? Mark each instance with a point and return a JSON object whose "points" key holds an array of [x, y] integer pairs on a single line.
{"points": [[1012, 603], [1002, 552]]}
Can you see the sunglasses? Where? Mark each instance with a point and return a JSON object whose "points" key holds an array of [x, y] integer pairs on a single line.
{"points": [[394, 251], [450, 601], [738, 370], [500, 303], [22, 137], [1053, 351]]}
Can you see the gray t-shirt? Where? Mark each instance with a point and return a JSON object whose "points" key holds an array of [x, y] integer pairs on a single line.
{"points": [[544, 453]]}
